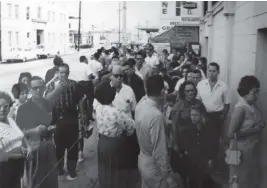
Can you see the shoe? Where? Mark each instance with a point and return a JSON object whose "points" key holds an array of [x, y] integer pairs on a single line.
{"points": [[70, 178], [80, 157]]}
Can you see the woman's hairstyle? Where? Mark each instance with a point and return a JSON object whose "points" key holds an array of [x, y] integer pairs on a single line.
{"points": [[17, 89], [24, 74], [182, 89], [246, 84], [154, 85], [104, 93], [6, 96]]}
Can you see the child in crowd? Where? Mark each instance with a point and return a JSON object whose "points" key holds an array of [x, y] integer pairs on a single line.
{"points": [[20, 93], [170, 101]]}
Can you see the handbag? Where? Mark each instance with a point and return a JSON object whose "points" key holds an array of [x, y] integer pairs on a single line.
{"points": [[233, 155]]}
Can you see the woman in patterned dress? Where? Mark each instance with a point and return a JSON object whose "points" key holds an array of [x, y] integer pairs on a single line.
{"points": [[113, 125]]}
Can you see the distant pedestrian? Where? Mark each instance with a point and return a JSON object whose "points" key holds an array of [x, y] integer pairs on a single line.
{"points": [[51, 72]]}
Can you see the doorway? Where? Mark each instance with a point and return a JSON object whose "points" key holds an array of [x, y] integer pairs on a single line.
{"points": [[40, 37]]}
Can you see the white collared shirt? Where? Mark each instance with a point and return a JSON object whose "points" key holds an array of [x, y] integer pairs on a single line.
{"points": [[214, 99], [152, 61], [144, 72], [124, 100], [95, 67], [80, 72]]}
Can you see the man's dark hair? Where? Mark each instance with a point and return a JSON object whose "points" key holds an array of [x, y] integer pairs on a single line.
{"points": [[36, 78], [106, 52], [140, 53], [96, 56], [246, 84], [196, 71], [130, 62], [115, 57], [215, 65], [65, 66], [57, 61], [154, 85], [83, 58], [17, 89], [24, 74], [182, 89], [194, 61]]}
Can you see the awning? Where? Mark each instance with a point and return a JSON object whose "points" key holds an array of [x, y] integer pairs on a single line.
{"points": [[178, 36]]}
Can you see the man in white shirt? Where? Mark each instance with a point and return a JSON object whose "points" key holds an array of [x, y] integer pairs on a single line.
{"points": [[215, 97], [185, 69], [142, 69], [152, 61], [95, 66], [80, 71]]}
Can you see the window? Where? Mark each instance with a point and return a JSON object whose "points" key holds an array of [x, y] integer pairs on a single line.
{"points": [[48, 16], [28, 13], [17, 11], [9, 10], [69, 25], [39, 13], [178, 8], [17, 38], [205, 7], [10, 38], [28, 35]]}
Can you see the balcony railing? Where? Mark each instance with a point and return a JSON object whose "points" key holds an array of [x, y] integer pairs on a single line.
{"points": [[37, 20]]}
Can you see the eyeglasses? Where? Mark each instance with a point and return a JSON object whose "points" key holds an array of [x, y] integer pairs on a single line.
{"points": [[138, 58], [190, 90], [118, 75], [4, 107]]}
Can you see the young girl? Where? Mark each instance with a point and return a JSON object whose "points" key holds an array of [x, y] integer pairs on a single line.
{"points": [[20, 93]]}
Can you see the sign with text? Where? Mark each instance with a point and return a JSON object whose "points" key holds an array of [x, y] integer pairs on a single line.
{"points": [[159, 47]]}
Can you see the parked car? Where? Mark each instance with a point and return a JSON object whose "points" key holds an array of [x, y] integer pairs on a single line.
{"points": [[46, 51], [20, 54]]}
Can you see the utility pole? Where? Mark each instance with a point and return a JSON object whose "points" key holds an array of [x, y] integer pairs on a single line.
{"points": [[138, 33], [119, 22], [79, 28], [0, 31]]}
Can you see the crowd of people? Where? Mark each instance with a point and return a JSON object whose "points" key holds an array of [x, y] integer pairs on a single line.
{"points": [[159, 117]]}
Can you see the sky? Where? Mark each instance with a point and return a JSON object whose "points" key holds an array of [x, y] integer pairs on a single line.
{"points": [[104, 14]]}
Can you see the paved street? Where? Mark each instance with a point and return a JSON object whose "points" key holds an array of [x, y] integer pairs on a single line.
{"points": [[9, 72]]}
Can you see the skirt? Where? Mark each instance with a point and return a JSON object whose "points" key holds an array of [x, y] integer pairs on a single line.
{"points": [[110, 162]]}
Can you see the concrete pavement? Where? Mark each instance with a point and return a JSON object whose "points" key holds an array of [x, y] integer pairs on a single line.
{"points": [[87, 170]]}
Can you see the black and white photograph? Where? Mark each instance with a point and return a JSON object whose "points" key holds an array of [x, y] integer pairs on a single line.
{"points": [[133, 94]]}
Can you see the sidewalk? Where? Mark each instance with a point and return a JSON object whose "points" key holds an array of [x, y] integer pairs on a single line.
{"points": [[87, 170]]}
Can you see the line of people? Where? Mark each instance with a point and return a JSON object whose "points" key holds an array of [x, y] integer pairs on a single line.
{"points": [[156, 116]]}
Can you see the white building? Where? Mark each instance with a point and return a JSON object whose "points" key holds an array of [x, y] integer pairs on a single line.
{"points": [[179, 13], [234, 34], [29, 23]]}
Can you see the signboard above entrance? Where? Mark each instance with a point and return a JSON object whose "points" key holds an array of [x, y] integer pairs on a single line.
{"points": [[190, 5]]}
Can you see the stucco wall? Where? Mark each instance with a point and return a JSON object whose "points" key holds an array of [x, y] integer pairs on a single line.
{"points": [[248, 53]]}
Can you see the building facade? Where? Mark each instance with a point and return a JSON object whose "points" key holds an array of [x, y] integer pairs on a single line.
{"points": [[234, 34], [30, 23], [179, 13]]}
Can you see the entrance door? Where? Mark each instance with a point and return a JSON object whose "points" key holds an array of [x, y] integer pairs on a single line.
{"points": [[38, 39]]}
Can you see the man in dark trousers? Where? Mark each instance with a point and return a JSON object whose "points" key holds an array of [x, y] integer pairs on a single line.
{"points": [[133, 80], [65, 117]]}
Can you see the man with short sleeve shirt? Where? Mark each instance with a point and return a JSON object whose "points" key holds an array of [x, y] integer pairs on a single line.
{"points": [[215, 97]]}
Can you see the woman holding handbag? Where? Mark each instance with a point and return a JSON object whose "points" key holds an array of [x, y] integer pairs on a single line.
{"points": [[245, 132]]}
